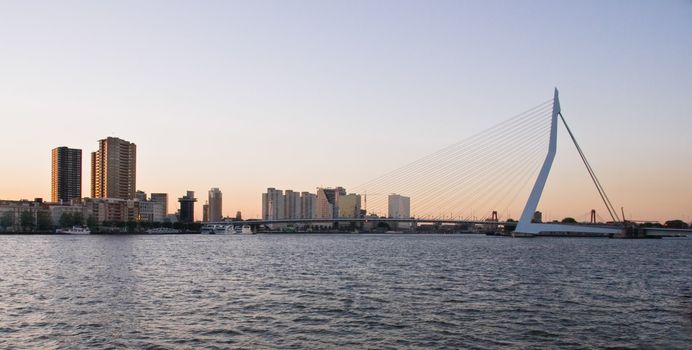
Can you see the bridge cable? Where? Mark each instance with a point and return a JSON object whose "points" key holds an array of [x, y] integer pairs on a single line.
{"points": [[466, 158], [601, 191]]}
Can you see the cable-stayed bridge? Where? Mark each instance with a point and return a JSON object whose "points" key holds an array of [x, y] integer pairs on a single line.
{"points": [[490, 172]]}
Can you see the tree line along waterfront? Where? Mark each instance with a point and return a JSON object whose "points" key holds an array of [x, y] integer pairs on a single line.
{"points": [[33, 217]]}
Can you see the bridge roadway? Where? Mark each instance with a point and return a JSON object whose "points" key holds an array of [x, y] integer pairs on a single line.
{"points": [[386, 220], [322, 221], [662, 232]]}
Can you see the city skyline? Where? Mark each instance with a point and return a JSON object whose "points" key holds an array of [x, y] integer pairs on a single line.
{"points": [[214, 105]]}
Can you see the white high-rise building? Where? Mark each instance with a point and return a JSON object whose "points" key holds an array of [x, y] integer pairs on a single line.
{"points": [[399, 207], [273, 204], [308, 203], [292, 205]]}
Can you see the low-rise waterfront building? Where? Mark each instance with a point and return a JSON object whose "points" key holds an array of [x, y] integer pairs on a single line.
{"points": [[112, 209]]}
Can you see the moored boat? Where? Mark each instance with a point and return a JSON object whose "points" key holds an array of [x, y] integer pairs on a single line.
{"points": [[74, 230], [217, 229]]}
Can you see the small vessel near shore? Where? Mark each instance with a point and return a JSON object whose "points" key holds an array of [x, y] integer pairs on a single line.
{"points": [[74, 230], [217, 230]]}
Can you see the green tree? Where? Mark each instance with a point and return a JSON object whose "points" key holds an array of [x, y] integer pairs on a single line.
{"points": [[569, 220], [44, 221], [676, 224], [66, 220], [131, 225], [78, 219], [26, 220], [91, 221], [7, 219]]}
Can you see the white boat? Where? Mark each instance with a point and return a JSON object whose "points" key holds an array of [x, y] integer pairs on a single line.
{"points": [[217, 230], [75, 230], [162, 230], [245, 230]]}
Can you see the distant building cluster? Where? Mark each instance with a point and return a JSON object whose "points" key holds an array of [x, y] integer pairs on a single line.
{"points": [[113, 194], [114, 197], [325, 203]]}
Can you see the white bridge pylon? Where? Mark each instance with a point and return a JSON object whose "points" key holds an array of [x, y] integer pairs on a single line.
{"points": [[525, 225]]}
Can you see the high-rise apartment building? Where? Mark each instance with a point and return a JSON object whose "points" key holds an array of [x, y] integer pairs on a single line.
{"points": [[273, 204], [113, 169], [327, 202], [292, 205], [66, 174], [308, 201], [187, 207], [215, 202]]}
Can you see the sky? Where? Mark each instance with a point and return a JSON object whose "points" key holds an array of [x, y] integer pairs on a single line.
{"points": [[245, 95]]}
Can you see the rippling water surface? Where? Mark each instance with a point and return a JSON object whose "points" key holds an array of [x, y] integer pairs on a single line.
{"points": [[344, 291]]}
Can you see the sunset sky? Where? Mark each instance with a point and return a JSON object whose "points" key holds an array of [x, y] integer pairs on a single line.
{"points": [[299, 94]]}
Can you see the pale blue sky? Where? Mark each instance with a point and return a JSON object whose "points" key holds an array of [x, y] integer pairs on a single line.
{"points": [[335, 93]]}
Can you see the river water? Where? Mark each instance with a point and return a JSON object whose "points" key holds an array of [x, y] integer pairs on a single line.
{"points": [[344, 291]]}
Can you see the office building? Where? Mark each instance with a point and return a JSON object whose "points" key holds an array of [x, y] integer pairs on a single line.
{"points": [[163, 199], [349, 206], [205, 212], [141, 196], [215, 205], [66, 175], [399, 207], [113, 169], [151, 211], [187, 207]]}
